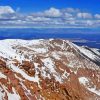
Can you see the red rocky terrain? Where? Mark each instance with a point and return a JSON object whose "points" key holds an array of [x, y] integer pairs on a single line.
{"points": [[48, 70]]}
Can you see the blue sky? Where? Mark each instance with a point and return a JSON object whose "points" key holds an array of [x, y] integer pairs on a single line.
{"points": [[51, 13], [92, 6]]}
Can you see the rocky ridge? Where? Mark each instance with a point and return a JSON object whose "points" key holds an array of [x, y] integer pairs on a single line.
{"points": [[51, 69]]}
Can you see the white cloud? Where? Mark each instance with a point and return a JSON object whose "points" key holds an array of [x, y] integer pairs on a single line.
{"points": [[38, 19], [68, 17], [89, 22], [6, 10], [53, 12], [71, 10], [84, 15], [97, 16]]}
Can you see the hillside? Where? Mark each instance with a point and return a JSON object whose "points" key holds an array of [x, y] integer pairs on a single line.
{"points": [[51, 69]]}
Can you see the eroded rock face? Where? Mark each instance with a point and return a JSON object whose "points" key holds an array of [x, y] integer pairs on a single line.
{"points": [[48, 70], [2, 64]]}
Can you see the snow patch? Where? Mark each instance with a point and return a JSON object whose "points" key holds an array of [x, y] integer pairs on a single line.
{"points": [[83, 80], [1, 94], [20, 71], [2, 76], [97, 92], [11, 96]]}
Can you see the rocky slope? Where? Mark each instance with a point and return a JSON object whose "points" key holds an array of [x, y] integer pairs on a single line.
{"points": [[48, 70]]}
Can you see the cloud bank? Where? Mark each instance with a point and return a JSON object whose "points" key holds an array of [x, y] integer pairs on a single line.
{"points": [[53, 17]]}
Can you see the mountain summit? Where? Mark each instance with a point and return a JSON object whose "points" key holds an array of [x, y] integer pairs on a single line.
{"points": [[51, 69]]}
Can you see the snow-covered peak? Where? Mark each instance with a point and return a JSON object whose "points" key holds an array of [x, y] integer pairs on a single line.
{"points": [[88, 53], [48, 69]]}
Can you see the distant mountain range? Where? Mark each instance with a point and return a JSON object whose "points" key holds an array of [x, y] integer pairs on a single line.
{"points": [[86, 37]]}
